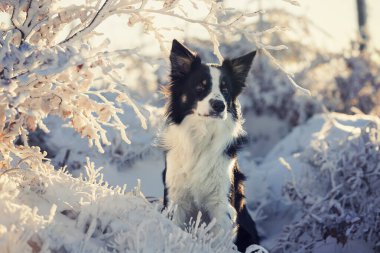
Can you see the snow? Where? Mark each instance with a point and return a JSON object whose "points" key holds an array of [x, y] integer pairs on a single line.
{"points": [[267, 181], [57, 211], [50, 210]]}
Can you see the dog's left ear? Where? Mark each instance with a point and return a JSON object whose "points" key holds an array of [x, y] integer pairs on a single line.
{"points": [[182, 60], [239, 67]]}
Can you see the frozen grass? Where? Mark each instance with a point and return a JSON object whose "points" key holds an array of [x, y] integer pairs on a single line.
{"points": [[50, 211]]}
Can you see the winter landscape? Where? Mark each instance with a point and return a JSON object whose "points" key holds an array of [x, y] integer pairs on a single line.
{"points": [[82, 110]]}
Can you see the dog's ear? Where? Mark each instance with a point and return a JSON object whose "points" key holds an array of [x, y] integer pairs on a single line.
{"points": [[239, 68], [182, 60]]}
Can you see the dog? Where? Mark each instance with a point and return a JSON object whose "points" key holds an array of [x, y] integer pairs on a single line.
{"points": [[201, 138]]}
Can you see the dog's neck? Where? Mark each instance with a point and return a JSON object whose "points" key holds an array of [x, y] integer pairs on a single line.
{"points": [[199, 132]]}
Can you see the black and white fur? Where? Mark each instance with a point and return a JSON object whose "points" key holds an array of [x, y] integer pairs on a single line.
{"points": [[202, 136]]}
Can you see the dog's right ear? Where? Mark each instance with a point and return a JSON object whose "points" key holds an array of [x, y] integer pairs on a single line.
{"points": [[182, 60]]}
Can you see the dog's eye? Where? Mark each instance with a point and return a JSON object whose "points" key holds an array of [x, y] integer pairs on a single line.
{"points": [[201, 85], [223, 83], [223, 86]]}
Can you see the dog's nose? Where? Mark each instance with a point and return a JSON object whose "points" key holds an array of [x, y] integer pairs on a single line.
{"points": [[217, 105]]}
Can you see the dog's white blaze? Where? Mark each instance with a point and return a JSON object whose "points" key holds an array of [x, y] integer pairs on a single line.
{"points": [[198, 172], [203, 107]]}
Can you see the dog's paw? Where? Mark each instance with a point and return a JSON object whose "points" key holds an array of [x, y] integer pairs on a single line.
{"points": [[254, 248]]}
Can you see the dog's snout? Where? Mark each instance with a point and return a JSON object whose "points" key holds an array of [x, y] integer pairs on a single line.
{"points": [[217, 105]]}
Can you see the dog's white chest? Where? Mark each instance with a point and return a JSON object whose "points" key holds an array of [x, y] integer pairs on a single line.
{"points": [[196, 166]]}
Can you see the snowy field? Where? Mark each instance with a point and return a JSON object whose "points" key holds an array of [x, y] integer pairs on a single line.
{"points": [[81, 111]]}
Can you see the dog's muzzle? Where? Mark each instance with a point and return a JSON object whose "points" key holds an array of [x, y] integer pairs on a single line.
{"points": [[218, 108]]}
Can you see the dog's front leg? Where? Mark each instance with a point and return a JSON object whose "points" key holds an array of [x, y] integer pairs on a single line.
{"points": [[225, 216], [181, 206]]}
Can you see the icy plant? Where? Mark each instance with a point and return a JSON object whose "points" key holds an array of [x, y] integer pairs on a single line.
{"points": [[340, 197], [42, 76], [345, 83], [359, 85], [268, 92], [50, 211]]}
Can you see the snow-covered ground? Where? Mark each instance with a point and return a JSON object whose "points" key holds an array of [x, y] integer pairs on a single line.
{"points": [[50, 210], [287, 162]]}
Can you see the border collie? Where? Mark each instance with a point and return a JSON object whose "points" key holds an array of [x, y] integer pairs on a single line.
{"points": [[202, 135]]}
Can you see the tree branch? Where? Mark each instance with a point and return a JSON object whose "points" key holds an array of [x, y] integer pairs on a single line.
{"points": [[88, 28]]}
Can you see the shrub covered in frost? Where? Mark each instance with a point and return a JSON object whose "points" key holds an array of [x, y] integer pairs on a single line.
{"points": [[269, 93], [340, 197], [344, 83], [43, 210], [359, 85]]}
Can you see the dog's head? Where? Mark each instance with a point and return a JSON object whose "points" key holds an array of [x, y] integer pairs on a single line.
{"points": [[205, 90]]}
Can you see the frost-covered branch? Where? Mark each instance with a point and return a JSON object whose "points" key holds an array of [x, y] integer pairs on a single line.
{"points": [[45, 71]]}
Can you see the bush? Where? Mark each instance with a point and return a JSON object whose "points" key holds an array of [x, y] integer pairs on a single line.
{"points": [[339, 198]]}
